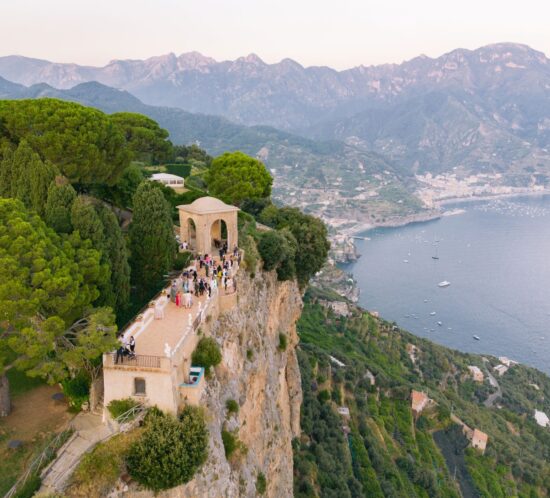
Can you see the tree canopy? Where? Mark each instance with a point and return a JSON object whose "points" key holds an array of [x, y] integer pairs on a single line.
{"points": [[170, 451], [86, 145], [310, 236], [234, 177], [146, 140], [46, 284]]}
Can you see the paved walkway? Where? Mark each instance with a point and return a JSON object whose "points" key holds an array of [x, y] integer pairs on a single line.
{"points": [[491, 399], [89, 430]]}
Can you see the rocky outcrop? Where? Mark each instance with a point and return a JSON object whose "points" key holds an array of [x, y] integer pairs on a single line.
{"points": [[265, 381]]}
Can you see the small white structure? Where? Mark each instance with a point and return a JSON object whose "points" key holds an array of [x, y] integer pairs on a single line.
{"points": [[542, 419], [169, 180], [369, 376], [500, 369], [476, 373], [336, 361], [507, 361], [344, 411]]}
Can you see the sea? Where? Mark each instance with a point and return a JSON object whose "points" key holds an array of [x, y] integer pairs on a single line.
{"points": [[496, 256]]}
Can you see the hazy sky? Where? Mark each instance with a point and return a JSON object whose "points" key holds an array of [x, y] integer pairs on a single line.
{"points": [[338, 33]]}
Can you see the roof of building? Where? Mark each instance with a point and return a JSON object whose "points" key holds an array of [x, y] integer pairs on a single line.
{"points": [[480, 436], [165, 176], [418, 399], [541, 418], [205, 205]]}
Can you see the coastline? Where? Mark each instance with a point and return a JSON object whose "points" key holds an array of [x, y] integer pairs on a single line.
{"points": [[437, 212], [490, 197]]}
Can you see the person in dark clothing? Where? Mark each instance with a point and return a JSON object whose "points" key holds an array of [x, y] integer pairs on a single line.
{"points": [[132, 344], [120, 354]]}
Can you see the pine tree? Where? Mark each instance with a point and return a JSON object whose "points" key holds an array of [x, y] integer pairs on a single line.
{"points": [[61, 196], [152, 242], [86, 221], [117, 253]]}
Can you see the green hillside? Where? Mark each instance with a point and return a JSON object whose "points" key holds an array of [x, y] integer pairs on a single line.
{"points": [[387, 452]]}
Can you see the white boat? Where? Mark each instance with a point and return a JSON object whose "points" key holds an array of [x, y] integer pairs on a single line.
{"points": [[445, 283], [440, 323], [432, 313], [476, 337], [405, 261]]}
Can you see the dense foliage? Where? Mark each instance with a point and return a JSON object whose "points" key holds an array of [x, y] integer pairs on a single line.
{"points": [[207, 353], [47, 285], [152, 241], [387, 452], [308, 243], [234, 177], [86, 145], [145, 139], [170, 451]]}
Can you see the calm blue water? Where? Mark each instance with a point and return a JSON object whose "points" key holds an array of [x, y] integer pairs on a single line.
{"points": [[496, 256]]}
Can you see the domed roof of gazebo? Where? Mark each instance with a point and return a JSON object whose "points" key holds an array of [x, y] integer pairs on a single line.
{"points": [[206, 205]]}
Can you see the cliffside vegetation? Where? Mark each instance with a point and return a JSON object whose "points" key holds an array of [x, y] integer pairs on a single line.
{"points": [[381, 450]]}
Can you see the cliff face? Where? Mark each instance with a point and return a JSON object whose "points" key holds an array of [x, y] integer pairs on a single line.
{"points": [[266, 384]]}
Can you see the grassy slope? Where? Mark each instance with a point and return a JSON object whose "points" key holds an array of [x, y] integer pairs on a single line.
{"points": [[387, 454]]}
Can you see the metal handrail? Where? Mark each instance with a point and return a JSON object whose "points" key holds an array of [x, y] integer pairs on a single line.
{"points": [[138, 360], [35, 465]]}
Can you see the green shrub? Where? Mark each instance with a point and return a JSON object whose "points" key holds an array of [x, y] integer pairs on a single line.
{"points": [[272, 249], [231, 443], [207, 354], [323, 396], [77, 390], [183, 170], [232, 406], [170, 451], [118, 407], [182, 260], [261, 484], [249, 354], [282, 342], [251, 255]]}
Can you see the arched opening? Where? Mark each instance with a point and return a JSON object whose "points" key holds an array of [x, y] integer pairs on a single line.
{"points": [[192, 231], [218, 235]]}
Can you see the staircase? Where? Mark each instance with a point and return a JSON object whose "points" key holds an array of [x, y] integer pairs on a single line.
{"points": [[89, 431]]}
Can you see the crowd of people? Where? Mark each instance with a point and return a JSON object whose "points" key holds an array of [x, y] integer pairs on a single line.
{"points": [[205, 276]]}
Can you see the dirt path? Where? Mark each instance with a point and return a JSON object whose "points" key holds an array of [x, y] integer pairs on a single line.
{"points": [[35, 413]]}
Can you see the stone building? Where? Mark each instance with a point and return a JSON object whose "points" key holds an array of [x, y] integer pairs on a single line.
{"points": [[207, 223]]}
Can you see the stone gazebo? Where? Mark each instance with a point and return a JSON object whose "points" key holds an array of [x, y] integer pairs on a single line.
{"points": [[208, 222]]}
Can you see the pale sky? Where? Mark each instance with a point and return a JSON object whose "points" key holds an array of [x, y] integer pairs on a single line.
{"points": [[338, 33]]}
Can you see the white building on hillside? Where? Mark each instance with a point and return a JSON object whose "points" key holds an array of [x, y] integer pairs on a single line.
{"points": [[169, 180], [542, 419]]}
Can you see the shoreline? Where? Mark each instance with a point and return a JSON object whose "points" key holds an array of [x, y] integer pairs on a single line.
{"points": [[436, 213], [490, 197]]}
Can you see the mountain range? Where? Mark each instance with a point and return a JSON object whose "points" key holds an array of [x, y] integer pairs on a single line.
{"points": [[482, 109]]}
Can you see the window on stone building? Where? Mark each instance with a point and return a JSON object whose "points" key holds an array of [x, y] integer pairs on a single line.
{"points": [[139, 386]]}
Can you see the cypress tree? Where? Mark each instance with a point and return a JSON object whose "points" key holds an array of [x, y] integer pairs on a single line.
{"points": [[6, 170], [117, 253], [152, 242], [61, 196]]}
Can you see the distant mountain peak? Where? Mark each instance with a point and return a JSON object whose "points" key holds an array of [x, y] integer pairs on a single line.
{"points": [[251, 59]]}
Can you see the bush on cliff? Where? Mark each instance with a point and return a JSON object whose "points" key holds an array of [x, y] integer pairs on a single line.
{"points": [[170, 451], [207, 354]]}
